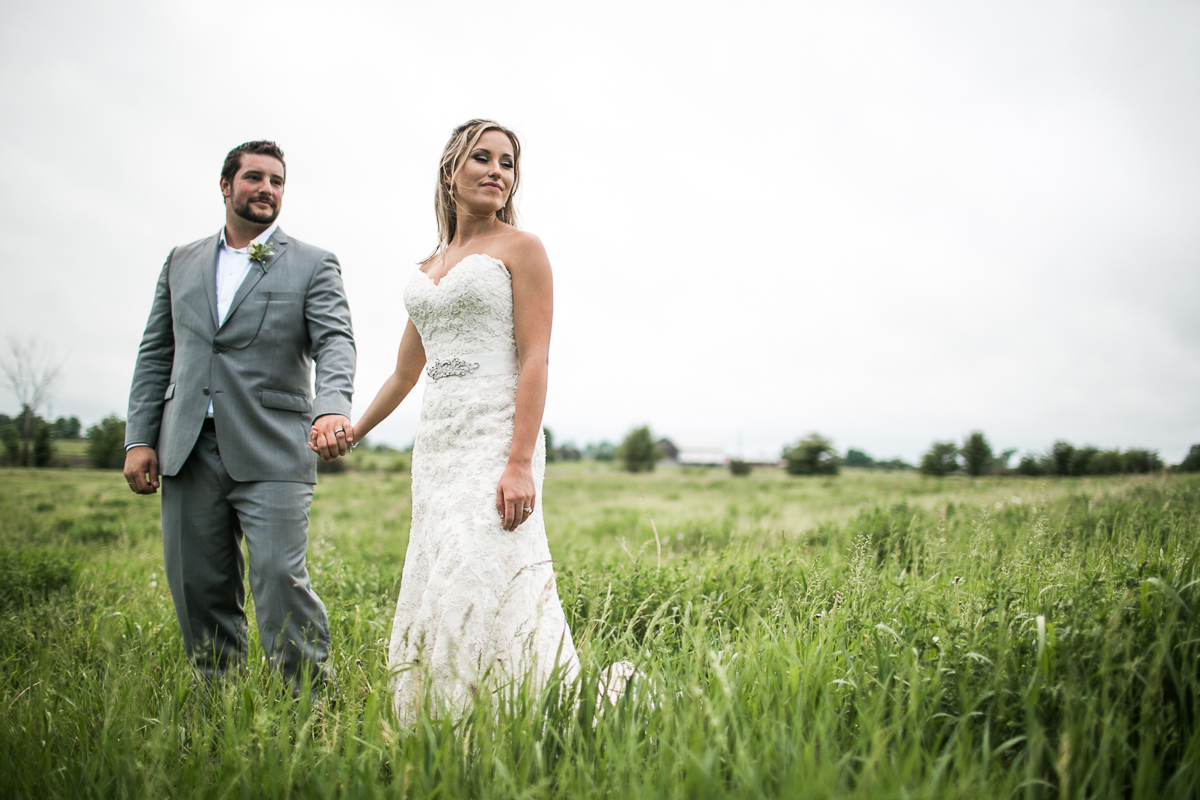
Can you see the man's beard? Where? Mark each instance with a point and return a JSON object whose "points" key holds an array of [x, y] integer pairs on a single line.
{"points": [[245, 212]]}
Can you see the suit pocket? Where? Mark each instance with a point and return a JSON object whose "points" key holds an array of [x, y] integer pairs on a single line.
{"points": [[170, 392], [285, 401]]}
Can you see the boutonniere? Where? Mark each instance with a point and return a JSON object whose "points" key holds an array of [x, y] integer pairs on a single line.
{"points": [[259, 252]]}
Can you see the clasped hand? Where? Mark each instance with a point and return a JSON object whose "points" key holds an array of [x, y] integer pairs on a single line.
{"points": [[331, 436]]}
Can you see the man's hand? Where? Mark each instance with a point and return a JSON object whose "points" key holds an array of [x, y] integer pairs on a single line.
{"points": [[331, 436], [141, 470]]}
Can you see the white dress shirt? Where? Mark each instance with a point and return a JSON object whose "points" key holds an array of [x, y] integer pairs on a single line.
{"points": [[232, 266]]}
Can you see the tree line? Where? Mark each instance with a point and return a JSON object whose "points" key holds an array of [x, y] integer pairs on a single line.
{"points": [[975, 457], [28, 440]]}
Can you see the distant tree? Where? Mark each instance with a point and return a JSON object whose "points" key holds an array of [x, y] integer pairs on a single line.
{"points": [[42, 444], [67, 428], [1192, 462], [106, 443], [638, 452], [604, 451], [27, 440], [551, 454], [1081, 461], [10, 441], [1031, 465], [857, 458], [1142, 461], [977, 455], [1106, 462], [739, 468], [1059, 458], [941, 460], [812, 456], [895, 463], [30, 370]]}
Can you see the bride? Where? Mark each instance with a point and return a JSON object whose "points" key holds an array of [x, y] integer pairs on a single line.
{"points": [[478, 601]]}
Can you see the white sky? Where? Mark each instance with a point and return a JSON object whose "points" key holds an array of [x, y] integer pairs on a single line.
{"points": [[885, 222]]}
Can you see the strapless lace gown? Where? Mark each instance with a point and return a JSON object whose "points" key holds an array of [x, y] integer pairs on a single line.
{"points": [[475, 599]]}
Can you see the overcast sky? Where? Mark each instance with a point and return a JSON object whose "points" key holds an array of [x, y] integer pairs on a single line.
{"points": [[886, 222]]}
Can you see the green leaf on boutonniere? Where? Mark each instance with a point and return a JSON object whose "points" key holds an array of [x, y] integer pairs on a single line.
{"points": [[259, 253]]}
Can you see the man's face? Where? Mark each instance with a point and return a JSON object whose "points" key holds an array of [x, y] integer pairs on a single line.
{"points": [[256, 194]]}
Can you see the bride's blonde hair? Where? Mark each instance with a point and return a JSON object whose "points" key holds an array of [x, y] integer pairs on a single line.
{"points": [[462, 142]]}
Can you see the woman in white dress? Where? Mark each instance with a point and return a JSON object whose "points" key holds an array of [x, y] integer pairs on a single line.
{"points": [[478, 602]]}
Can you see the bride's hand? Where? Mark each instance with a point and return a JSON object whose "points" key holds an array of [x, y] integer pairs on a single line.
{"points": [[515, 495], [332, 438]]}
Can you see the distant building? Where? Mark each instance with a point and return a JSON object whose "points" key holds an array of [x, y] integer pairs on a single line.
{"points": [[708, 455], [763, 460], [702, 456]]}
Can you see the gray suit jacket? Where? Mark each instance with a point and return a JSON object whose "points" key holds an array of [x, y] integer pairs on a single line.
{"points": [[256, 367]]}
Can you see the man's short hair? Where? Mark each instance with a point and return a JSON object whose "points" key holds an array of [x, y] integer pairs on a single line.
{"points": [[233, 161]]}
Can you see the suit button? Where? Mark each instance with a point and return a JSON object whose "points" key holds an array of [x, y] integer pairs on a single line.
{"points": [[206, 390], [216, 348]]}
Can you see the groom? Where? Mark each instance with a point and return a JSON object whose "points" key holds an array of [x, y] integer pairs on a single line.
{"points": [[221, 407]]}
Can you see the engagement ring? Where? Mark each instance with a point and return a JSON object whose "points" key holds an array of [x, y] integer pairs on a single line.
{"points": [[527, 510]]}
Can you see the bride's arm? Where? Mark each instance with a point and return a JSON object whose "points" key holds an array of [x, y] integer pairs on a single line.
{"points": [[409, 363], [533, 312]]}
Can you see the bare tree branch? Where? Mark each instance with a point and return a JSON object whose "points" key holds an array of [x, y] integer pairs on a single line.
{"points": [[30, 370]]}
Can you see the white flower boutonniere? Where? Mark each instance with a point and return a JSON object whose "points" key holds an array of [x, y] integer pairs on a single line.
{"points": [[259, 252]]}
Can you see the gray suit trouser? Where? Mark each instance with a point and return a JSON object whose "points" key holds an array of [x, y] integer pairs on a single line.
{"points": [[205, 514]]}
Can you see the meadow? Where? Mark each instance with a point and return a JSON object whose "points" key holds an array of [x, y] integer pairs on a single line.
{"points": [[868, 635]]}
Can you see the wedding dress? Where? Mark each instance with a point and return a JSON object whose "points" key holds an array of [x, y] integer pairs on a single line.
{"points": [[477, 604]]}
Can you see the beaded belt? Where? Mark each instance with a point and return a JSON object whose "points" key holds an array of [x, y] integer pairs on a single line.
{"points": [[475, 365]]}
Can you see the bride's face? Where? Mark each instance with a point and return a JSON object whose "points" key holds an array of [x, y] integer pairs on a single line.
{"points": [[486, 177]]}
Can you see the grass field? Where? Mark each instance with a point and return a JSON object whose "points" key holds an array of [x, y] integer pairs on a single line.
{"points": [[870, 635]]}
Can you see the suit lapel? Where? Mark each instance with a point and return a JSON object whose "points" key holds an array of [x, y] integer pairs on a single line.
{"points": [[257, 271], [210, 279]]}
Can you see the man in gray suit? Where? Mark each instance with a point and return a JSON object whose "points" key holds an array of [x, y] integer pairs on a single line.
{"points": [[221, 407]]}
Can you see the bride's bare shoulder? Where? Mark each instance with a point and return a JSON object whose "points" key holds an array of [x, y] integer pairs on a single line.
{"points": [[524, 251]]}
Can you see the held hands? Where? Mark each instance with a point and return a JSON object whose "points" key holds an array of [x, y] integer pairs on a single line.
{"points": [[331, 436], [515, 495], [141, 470]]}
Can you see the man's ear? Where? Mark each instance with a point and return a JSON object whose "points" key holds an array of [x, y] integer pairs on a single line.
{"points": [[226, 190]]}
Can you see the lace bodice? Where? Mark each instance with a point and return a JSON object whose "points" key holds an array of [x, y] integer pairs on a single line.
{"points": [[469, 311]]}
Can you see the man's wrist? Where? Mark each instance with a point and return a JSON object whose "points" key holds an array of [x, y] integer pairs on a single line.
{"points": [[129, 447]]}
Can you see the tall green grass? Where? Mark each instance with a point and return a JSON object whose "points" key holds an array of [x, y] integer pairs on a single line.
{"points": [[869, 636]]}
